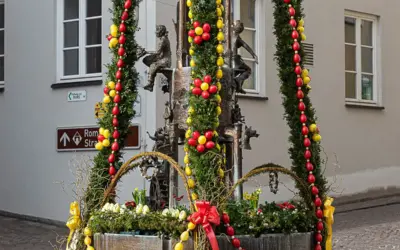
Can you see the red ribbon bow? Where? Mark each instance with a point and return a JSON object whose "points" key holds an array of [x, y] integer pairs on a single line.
{"points": [[205, 216]]}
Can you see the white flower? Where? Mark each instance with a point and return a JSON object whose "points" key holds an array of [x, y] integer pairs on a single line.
{"points": [[139, 209], [182, 215], [123, 209], [165, 212], [177, 213], [173, 212], [146, 209], [116, 208], [106, 207]]}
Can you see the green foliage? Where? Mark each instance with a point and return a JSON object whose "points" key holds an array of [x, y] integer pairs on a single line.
{"points": [[110, 222], [269, 218], [284, 58], [205, 117], [99, 178]]}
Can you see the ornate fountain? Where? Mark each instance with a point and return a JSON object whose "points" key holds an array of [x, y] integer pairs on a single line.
{"points": [[233, 130]]}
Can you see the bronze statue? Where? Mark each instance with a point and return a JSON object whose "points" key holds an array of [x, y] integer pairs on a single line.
{"points": [[161, 139], [241, 71], [159, 60], [248, 134]]}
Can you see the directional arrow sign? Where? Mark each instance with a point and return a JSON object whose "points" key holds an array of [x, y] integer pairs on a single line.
{"points": [[85, 138], [64, 139], [76, 96]]}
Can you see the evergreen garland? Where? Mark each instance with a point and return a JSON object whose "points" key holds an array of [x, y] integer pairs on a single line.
{"points": [[204, 158], [99, 176], [204, 112], [284, 57]]}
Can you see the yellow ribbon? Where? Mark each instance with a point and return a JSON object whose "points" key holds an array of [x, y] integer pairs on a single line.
{"points": [[74, 221], [328, 214]]}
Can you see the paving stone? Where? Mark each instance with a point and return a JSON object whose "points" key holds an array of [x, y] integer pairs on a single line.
{"points": [[16, 234]]}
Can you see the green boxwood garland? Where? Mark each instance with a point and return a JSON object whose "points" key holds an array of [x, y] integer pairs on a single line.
{"points": [[284, 57], [203, 113], [99, 176]]}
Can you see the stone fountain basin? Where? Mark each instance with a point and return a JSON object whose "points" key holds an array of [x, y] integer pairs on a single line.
{"points": [[296, 241]]}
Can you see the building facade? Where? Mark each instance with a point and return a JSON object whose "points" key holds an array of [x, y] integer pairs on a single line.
{"points": [[51, 49]]}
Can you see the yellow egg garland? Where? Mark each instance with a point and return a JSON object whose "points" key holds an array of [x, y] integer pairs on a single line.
{"points": [[199, 88], [188, 171], [88, 238]]}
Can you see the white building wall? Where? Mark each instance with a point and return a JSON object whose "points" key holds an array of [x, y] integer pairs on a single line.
{"points": [[31, 110]]}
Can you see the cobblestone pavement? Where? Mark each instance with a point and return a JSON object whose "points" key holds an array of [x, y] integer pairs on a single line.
{"points": [[17, 234], [370, 229]]}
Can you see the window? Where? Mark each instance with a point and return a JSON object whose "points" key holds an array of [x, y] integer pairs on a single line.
{"points": [[2, 44], [361, 58], [80, 39], [252, 14]]}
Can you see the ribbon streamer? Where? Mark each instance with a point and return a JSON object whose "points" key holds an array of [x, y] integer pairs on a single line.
{"points": [[328, 214], [205, 216], [74, 221]]}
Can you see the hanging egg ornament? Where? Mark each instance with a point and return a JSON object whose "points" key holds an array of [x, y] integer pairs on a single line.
{"points": [[205, 94], [114, 30], [99, 146], [122, 27], [113, 42], [196, 24], [106, 133], [188, 171], [220, 48], [106, 99], [313, 128], [198, 31], [106, 143], [191, 33], [111, 85], [204, 86], [128, 4], [220, 36]]}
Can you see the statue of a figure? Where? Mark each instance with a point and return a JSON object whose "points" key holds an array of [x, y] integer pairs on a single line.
{"points": [[168, 114], [160, 137], [241, 71], [248, 134], [237, 114], [159, 60]]}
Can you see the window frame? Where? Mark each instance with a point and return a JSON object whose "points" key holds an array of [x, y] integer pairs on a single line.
{"points": [[82, 40], [2, 83], [376, 81], [260, 47]]}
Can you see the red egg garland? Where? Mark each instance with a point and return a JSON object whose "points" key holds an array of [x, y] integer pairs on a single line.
{"points": [[200, 33], [116, 97], [202, 142], [303, 119], [204, 88], [230, 231]]}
